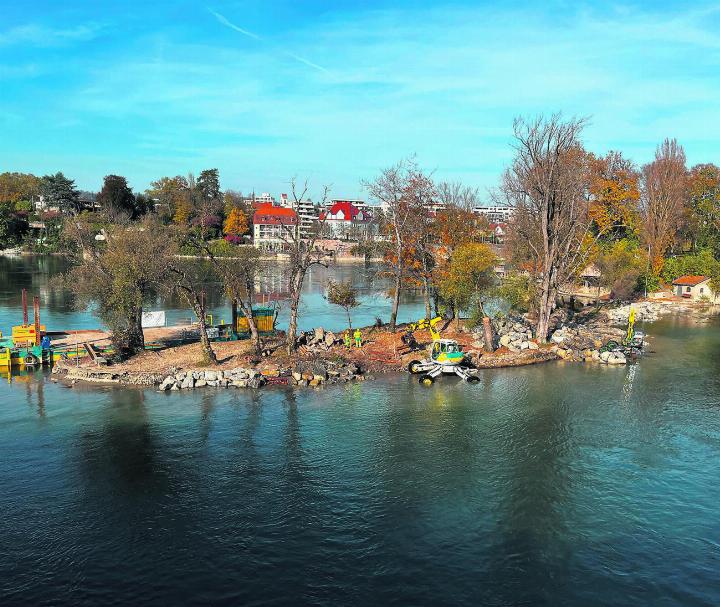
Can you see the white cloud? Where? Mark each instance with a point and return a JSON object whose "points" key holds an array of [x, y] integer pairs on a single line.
{"points": [[42, 36], [444, 83]]}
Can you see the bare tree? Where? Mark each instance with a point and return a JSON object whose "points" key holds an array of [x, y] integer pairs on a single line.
{"points": [[421, 194], [663, 195], [186, 278], [394, 189], [547, 184], [303, 255], [240, 275], [455, 194]]}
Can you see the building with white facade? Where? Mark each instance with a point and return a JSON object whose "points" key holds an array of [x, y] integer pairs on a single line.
{"points": [[344, 220], [497, 214], [271, 225], [307, 214]]}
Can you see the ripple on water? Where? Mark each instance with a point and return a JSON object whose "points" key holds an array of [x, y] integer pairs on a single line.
{"points": [[546, 485]]}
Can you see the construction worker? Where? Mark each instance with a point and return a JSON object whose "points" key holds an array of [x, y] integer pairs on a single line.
{"points": [[358, 338], [348, 343]]}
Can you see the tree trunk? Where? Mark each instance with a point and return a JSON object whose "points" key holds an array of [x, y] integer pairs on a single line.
{"points": [[349, 320], [488, 333], [254, 334], [545, 308], [292, 326], [136, 337], [296, 285], [426, 297], [208, 352], [395, 303], [252, 325], [456, 316]]}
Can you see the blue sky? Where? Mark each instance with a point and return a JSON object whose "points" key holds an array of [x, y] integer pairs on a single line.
{"points": [[334, 91]]}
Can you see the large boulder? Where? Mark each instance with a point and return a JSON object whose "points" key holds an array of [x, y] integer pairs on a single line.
{"points": [[616, 358], [168, 383], [319, 335]]}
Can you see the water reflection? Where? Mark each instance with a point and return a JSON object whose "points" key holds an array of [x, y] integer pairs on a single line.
{"points": [[546, 485], [35, 274], [123, 452]]}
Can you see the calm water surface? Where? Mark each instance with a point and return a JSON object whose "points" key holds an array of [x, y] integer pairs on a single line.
{"points": [[557, 484], [58, 313]]}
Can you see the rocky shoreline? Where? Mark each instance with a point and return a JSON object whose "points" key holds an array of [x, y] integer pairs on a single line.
{"points": [[303, 374], [322, 360]]}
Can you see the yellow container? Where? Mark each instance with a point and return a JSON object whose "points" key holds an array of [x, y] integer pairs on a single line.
{"points": [[264, 321], [25, 334]]}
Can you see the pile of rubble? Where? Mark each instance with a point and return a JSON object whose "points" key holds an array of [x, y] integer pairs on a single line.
{"points": [[514, 333], [234, 378], [317, 340], [317, 373], [304, 373], [579, 343], [648, 311]]}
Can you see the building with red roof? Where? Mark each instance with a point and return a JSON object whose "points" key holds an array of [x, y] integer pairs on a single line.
{"points": [[271, 225], [694, 287], [343, 219]]}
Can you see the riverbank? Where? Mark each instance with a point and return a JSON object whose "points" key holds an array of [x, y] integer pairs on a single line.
{"points": [[323, 359]]}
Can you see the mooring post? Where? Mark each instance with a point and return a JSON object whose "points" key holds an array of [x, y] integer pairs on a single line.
{"points": [[36, 316], [24, 307]]}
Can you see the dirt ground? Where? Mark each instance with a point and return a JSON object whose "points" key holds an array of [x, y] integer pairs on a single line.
{"points": [[381, 351]]}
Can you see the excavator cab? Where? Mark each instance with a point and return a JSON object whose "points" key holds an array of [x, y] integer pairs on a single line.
{"points": [[446, 351]]}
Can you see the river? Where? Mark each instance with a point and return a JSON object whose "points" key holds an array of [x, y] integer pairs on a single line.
{"points": [[34, 273], [556, 484]]}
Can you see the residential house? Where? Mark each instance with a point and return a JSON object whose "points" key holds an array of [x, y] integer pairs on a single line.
{"points": [[497, 232], [344, 220], [695, 288], [271, 225]]}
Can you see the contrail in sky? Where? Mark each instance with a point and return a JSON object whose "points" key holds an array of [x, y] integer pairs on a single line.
{"points": [[227, 23]]}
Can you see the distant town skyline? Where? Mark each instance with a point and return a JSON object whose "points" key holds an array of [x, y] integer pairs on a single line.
{"points": [[265, 91]]}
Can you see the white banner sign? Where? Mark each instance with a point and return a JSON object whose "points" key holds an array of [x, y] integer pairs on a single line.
{"points": [[153, 319]]}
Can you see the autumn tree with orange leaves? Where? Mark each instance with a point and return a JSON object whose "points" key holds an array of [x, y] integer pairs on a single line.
{"points": [[614, 195], [236, 224]]}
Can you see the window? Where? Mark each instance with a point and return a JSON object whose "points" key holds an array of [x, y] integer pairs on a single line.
{"points": [[687, 289], [702, 290]]}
